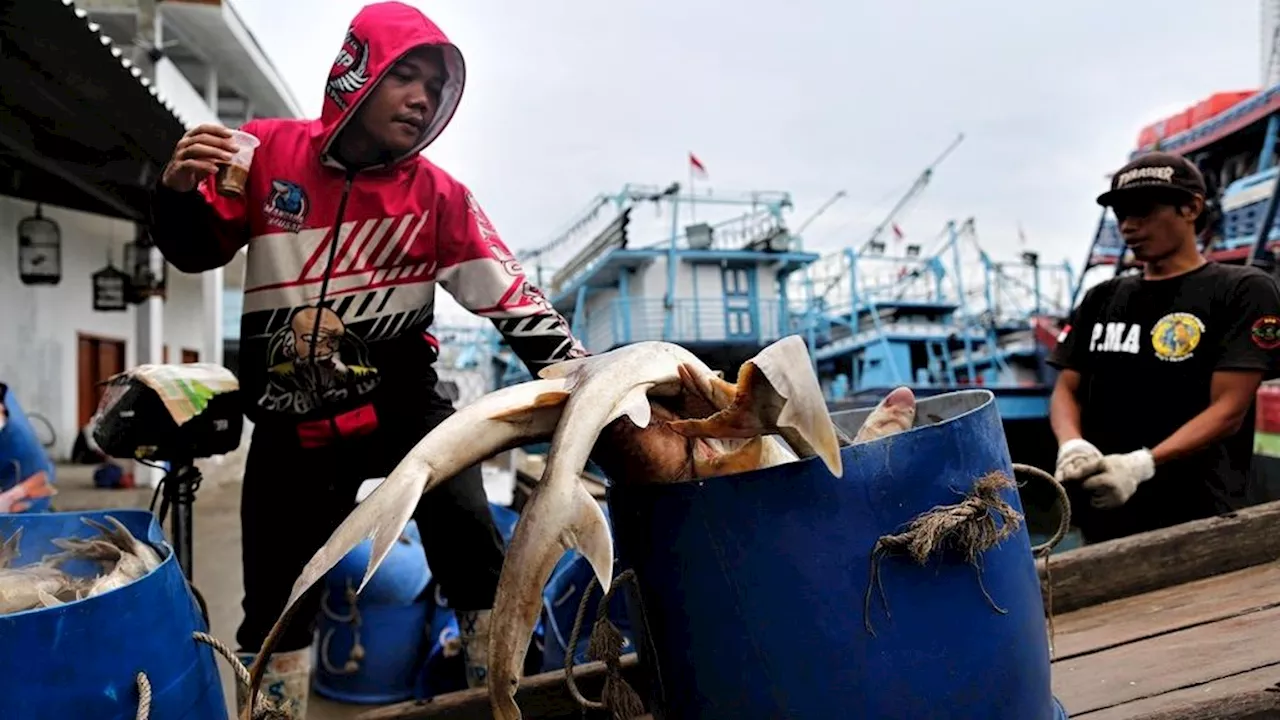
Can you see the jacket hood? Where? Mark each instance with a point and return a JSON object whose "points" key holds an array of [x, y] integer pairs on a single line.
{"points": [[380, 35]]}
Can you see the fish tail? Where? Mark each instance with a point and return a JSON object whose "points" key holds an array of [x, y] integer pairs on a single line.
{"points": [[9, 550], [117, 533]]}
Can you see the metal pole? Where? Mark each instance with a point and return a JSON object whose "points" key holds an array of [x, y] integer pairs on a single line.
{"points": [[1258, 256]]}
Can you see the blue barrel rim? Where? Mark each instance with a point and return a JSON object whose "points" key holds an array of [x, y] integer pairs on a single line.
{"points": [[981, 400]]}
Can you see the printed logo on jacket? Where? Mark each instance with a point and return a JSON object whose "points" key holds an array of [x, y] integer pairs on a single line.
{"points": [[314, 359], [350, 70], [286, 206]]}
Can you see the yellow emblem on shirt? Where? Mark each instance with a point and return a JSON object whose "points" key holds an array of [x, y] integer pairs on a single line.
{"points": [[1175, 336]]}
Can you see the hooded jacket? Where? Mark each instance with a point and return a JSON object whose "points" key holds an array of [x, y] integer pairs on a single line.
{"points": [[334, 330]]}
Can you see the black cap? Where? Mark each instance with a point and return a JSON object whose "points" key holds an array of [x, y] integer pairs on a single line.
{"points": [[1154, 171]]}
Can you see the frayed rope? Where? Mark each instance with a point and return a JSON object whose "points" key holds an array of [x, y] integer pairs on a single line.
{"points": [[605, 645], [969, 526]]}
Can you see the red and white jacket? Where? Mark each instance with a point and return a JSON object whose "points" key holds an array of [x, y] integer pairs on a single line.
{"points": [[342, 267]]}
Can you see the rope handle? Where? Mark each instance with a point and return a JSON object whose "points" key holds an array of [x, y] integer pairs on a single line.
{"points": [[144, 696], [1064, 521], [606, 642], [242, 674], [1045, 549]]}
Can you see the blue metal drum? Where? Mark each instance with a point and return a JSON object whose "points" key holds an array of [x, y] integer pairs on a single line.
{"points": [[81, 659], [368, 651], [21, 454], [751, 588]]}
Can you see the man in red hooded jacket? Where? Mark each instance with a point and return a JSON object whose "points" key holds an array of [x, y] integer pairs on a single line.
{"points": [[349, 229]]}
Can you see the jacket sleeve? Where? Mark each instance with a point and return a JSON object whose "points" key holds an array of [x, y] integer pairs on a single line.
{"points": [[478, 270], [199, 230]]}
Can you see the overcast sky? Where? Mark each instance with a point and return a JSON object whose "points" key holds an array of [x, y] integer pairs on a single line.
{"points": [[566, 99]]}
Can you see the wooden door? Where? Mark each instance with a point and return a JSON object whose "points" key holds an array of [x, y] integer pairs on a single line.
{"points": [[97, 360]]}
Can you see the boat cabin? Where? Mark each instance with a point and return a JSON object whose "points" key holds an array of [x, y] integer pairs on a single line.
{"points": [[713, 284]]}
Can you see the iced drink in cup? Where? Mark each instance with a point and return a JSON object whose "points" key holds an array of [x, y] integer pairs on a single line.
{"points": [[232, 176]]}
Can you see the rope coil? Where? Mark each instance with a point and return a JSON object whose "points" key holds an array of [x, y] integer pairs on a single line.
{"points": [[606, 643]]}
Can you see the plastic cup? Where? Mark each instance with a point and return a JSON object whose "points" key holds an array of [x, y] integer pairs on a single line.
{"points": [[233, 176]]}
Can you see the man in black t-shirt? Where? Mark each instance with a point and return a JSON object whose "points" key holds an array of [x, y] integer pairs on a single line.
{"points": [[1153, 408]]}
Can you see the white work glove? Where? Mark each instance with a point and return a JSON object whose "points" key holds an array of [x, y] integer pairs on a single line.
{"points": [[1077, 460], [1121, 474]]}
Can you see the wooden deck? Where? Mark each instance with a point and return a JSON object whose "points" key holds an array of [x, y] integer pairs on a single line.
{"points": [[1178, 624]]}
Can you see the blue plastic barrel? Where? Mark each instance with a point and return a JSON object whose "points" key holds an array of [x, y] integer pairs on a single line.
{"points": [[21, 454], [80, 660], [751, 587], [389, 619]]}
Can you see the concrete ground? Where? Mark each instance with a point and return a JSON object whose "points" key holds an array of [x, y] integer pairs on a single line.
{"points": [[217, 556]]}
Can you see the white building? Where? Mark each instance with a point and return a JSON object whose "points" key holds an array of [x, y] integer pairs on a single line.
{"points": [[94, 122]]}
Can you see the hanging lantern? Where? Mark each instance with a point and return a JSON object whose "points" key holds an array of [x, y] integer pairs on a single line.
{"points": [[144, 280], [39, 250]]}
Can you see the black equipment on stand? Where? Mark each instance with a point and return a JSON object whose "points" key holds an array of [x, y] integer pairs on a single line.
{"points": [[133, 423]]}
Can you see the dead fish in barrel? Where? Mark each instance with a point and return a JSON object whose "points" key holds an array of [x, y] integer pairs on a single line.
{"points": [[894, 414], [777, 391], [34, 585], [562, 515]]}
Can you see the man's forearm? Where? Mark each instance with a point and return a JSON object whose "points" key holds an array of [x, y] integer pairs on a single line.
{"points": [[1215, 422], [1064, 414], [181, 224]]}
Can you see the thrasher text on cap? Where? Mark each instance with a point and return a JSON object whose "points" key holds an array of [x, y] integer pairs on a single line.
{"points": [[1164, 174]]}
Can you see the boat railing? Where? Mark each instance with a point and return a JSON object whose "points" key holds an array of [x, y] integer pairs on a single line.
{"points": [[618, 321]]}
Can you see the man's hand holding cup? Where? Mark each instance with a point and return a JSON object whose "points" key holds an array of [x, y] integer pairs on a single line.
{"points": [[207, 149]]}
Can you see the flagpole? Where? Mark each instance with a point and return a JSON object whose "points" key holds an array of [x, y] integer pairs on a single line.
{"points": [[693, 196]]}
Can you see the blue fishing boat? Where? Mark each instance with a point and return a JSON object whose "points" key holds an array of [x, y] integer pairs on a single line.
{"points": [[639, 264]]}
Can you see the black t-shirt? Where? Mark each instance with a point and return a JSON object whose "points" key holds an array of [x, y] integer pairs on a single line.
{"points": [[1146, 351]]}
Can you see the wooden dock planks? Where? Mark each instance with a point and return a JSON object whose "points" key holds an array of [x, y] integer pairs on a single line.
{"points": [[1182, 623], [543, 696]]}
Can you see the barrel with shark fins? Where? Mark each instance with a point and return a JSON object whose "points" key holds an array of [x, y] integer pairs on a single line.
{"points": [[755, 596], [98, 657]]}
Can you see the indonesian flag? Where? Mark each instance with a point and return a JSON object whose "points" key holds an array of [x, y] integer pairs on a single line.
{"points": [[696, 165], [897, 232]]}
